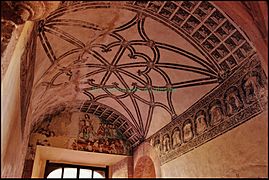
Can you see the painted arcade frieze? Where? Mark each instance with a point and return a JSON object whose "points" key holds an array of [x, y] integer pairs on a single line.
{"points": [[240, 98], [78, 131]]}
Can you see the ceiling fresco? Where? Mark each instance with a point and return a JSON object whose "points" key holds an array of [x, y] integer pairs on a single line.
{"points": [[147, 62]]}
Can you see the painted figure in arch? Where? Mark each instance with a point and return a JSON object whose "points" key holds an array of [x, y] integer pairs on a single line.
{"points": [[215, 112], [251, 85], [166, 143], [200, 122], [176, 139], [232, 100], [187, 131], [157, 143]]}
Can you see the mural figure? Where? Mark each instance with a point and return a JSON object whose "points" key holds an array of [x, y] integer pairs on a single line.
{"points": [[101, 130], [157, 143], [251, 85], [200, 122], [187, 131], [89, 147], [112, 130], [117, 146], [215, 112], [176, 140], [233, 101], [107, 131], [86, 131], [113, 148], [166, 143]]}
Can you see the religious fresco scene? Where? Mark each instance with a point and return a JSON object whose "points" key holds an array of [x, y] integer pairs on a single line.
{"points": [[78, 131], [134, 88]]}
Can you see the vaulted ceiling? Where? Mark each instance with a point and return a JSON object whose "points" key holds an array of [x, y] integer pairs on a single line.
{"points": [[136, 64]]}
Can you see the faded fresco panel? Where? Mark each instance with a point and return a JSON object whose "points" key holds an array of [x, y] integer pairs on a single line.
{"points": [[78, 131]]}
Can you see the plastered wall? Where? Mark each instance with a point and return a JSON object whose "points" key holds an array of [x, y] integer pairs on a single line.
{"points": [[241, 152], [122, 169]]}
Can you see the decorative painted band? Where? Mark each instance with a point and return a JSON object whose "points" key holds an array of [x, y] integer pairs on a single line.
{"points": [[241, 97]]}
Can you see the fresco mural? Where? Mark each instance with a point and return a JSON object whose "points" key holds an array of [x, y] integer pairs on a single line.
{"points": [[78, 131], [98, 137]]}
